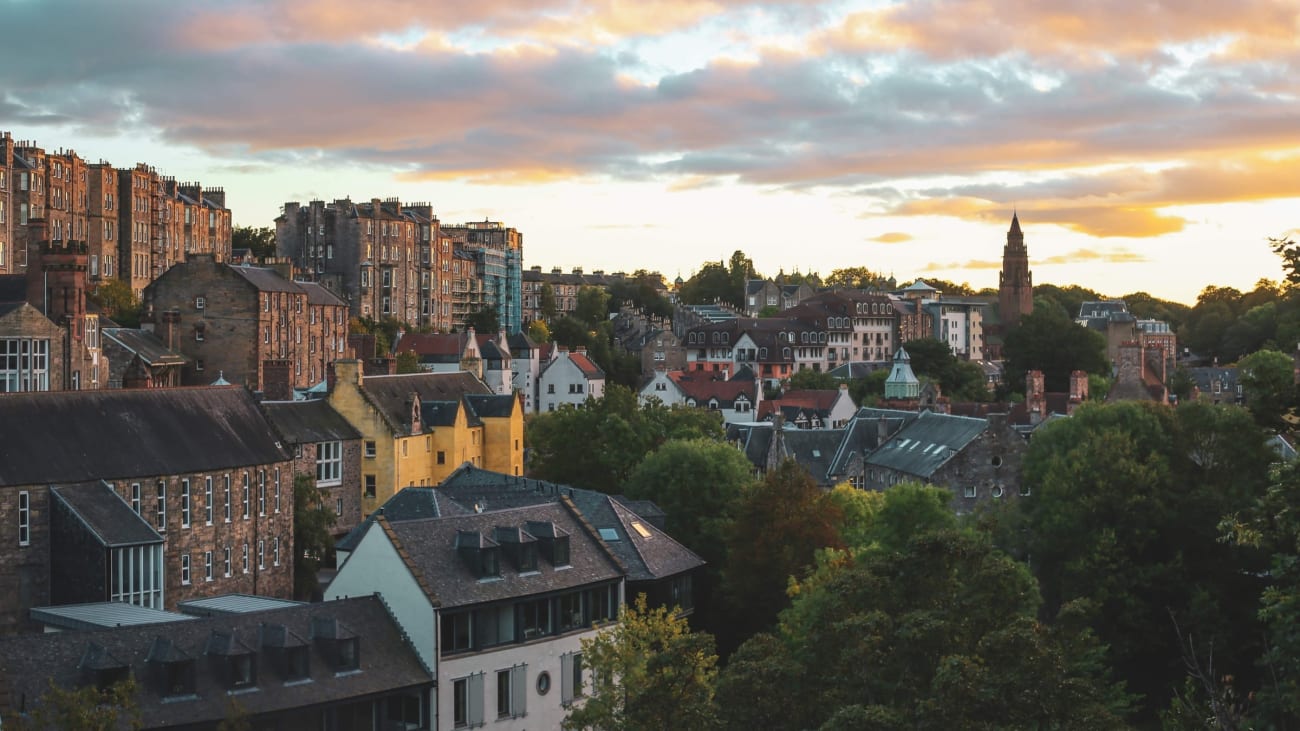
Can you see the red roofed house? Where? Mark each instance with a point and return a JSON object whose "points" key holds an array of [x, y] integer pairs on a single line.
{"points": [[738, 400], [464, 351], [812, 409], [569, 378]]}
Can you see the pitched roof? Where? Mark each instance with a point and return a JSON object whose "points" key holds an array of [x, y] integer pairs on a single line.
{"points": [[927, 443], [585, 364], [387, 662], [392, 394], [433, 347], [265, 280], [703, 389], [306, 422], [317, 294], [410, 503], [13, 288], [75, 436], [814, 450], [105, 514], [144, 344]]}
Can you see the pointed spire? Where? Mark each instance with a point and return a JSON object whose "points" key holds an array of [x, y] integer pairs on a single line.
{"points": [[1015, 222]]}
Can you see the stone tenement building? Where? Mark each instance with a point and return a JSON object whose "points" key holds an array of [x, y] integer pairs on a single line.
{"points": [[145, 496], [136, 223], [389, 259], [249, 325]]}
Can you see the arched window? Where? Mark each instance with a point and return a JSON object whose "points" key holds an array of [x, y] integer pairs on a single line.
{"points": [[785, 353], [726, 337]]}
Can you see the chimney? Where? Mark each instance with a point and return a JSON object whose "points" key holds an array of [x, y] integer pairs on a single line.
{"points": [[347, 371], [277, 379], [1035, 399]]}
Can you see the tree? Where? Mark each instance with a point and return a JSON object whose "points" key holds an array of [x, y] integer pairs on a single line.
{"points": [[87, 708], [960, 380], [117, 300], [570, 332], [858, 510], [1181, 384], [313, 543], [1050, 342], [769, 311], [538, 332], [939, 633], [1267, 379], [546, 302], [649, 672], [812, 380], [856, 278], [261, 241], [408, 362], [1127, 501], [593, 306], [484, 320], [1287, 249], [778, 527]]}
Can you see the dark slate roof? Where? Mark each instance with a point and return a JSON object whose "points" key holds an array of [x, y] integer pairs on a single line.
{"points": [[13, 288], [144, 344], [860, 436], [106, 515], [519, 343], [410, 503], [754, 440], [927, 443], [265, 280], [814, 450], [317, 294], [76, 436], [644, 558], [392, 394], [443, 413], [431, 546], [308, 422], [387, 662], [492, 406]]}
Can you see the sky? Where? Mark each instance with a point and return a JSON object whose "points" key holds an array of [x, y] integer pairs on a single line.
{"points": [[1147, 145]]}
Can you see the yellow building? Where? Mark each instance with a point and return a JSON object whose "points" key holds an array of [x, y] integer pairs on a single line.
{"points": [[417, 428]]}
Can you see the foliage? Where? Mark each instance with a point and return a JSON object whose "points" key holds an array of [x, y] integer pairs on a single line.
{"points": [[719, 282], [408, 361], [939, 633], [778, 527], [1267, 379], [538, 332], [960, 380], [1068, 299], [642, 291], [1289, 251], [616, 433], [769, 311], [1227, 323], [858, 278], [593, 305], [486, 320], [546, 302], [384, 329], [1127, 499], [808, 379], [261, 240], [1181, 384], [85, 709], [313, 543], [868, 388], [1048, 341], [649, 672], [1146, 307], [117, 300], [858, 510], [570, 332], [236, 717]]}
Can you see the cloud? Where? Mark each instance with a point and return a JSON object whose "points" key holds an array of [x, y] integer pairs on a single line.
{"points": [[892, 237], [935, 266], [1112, 256]]}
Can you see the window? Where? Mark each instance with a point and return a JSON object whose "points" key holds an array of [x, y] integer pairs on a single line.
{"points": [[247, 489], [329, 463], [207, 500], [442, 457], [275, 551], [970, 491], [24, 518], [370, 485], [570, 677], [456, 632], [261, 554], [185, 569], [207, 565], [162, 506], [227, 555], [245, 558], [185, 503], [227, 498], [277, 489], [512, 693], [24, 364], [261, 492], [467, 701], [370, 448]]}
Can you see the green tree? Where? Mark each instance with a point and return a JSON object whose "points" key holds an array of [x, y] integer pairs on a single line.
{"points": [[593, 306], [869, 388], [712, 283], [408, 362], [812, 380], [858, 510], [313, 543], [261, 240], [546, 302], [1050, 342], [87, 708], [1127, 501], [959, 380], [939, 633], [1181, 384], [649, 672], [117, 300], [538, 332], [485, 320], [570, 332], [1287, 249], [769, 311], [856, 278], [778, 527], [1267, 379]]}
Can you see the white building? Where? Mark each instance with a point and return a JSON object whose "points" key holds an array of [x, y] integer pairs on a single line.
{"points": [[569, 378]]}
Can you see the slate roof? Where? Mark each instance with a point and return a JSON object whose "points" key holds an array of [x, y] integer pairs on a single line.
{"points": [[265, 280], [433, 347], [645, 559], [318, 294], [106, 515], [430, 545], [144, 344], [492, 406], [410, 503], [308, 422], [814, 450], [76, 436], [392, 394], [520, 343], [387, 662], [927, 443], [702, 389], [102, 615]]}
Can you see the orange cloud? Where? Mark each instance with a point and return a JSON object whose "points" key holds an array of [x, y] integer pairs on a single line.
{"points": [[892, 237], [955, 265]]}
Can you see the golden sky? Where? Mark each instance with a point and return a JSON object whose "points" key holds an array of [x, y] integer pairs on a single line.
{"points": [[1146, 146]]}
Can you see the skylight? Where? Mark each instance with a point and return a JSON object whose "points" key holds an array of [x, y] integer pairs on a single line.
{"points": [[609, 534], [640, 529]]}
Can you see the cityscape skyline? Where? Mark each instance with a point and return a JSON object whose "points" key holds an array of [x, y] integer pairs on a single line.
{"points": [[1146, 149]]}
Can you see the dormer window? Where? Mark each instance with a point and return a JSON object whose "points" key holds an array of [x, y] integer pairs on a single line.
{"points": [[234, 662], [480, 554], [172, 668], [339, 645], [290, 655], [102, 668]]}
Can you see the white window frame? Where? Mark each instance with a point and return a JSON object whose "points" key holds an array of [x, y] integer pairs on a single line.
{"points": [[185, 502], [185, 569], [207, 565], [24, 518], [329, 463], [207, 499]]}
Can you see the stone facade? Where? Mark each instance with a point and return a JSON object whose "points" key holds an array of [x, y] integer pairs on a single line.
{"points": [[1015, 282], [987, 470], [343, 496], [24, 330], [245, 324]]}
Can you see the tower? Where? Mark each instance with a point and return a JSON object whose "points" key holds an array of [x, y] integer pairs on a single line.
{"points": [[1015, 283]]}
